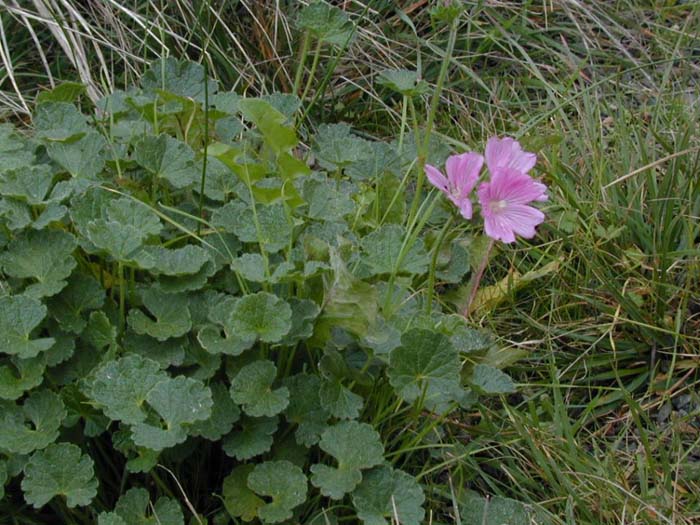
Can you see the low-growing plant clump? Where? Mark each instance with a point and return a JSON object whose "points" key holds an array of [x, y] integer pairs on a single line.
{"points": [[187, 288]]}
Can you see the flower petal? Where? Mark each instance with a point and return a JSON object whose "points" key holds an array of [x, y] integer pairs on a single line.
{"points": [[436, 178], [516, 187], [507, 153], [463, 171], [498, 229]]}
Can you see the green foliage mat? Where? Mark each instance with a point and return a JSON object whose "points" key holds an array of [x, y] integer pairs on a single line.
{"points": [[176, 298]]}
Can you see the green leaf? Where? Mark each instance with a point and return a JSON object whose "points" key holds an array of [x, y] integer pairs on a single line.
{"points": [[19, 316], [121, 387], [224, 414], [253, 439], [166, 353], [170, 311], [59, 121], [403, 81], [3, 478], [326, 23], [52, 213], [305, 408], [16, 215], [134, 213], [59, 470], [349, 303], [121, 241], [83, 158], [167, 158], [211, 339], [82, 294], [99, 332], [45, 256], [263, 316], [252, 388], [183, 78], [20, 375], [381, 159], [337, 148], [135, 509], [355, 446], [109, 518], [30, 184], [282, 481], [15, 150], [328, 200], [239, 500], [181, 261], [237, 218], [304, 314], [489, 380], [44, 411], [270, 123], [64, 92], [386, 496], [339, 401], [175, 284], [382, 249], [495, 511], [426, 366], [179, 402], [250, 266]]}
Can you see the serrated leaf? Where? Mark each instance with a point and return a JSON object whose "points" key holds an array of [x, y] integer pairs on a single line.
{"points": [[337, 148], [453, 263], [237, 218], [45, 256], [166, 353], [253, 439], [179, 402], [59, 121], [282, 481], [262, 316], [403, 81], [386, 496], [381, 159], [180, 77], [252, 388], [304, 314], [59, 470], [250, 266], [489, 380], [134, 213], [328, 200], [167, 158], [224, 414], [495, 511], [339, 401], [44, 411], [30, 184], [305, 408], [426, 366], [20, 375], [327, 23], [53, 212], [121, 387], [16, 151], [19, 316], [212, 340], [99, 332], [135, 509], [16, 215], [270, 123], [355, 446], [110, 518], [82, 294], [121, 241], [175, 284], [170, 311], [239, 500], [180, 261], [382, 250], [83, 158]]}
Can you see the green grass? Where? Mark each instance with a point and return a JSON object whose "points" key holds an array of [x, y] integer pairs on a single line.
{"points": [[606, 348]]}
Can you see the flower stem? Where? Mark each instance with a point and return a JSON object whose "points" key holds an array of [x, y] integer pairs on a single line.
{"points": [[433, 265], [302, 60], [312, 73], [476, 280], [206, 145], [422, 147]]}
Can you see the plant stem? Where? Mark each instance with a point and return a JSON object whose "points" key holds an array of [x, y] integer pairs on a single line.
{"points": [[476, 280], [433, 265], [302, 60], [423, 146], [206, 144], [122, 298], [312, 73]]}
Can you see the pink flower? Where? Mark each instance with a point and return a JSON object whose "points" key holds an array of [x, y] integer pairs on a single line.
{"points": [[504, 204], [462, 175], [507, 153]]}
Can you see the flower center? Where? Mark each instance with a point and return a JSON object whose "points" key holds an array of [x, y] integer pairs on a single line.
{"points": [[497, 206]]}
